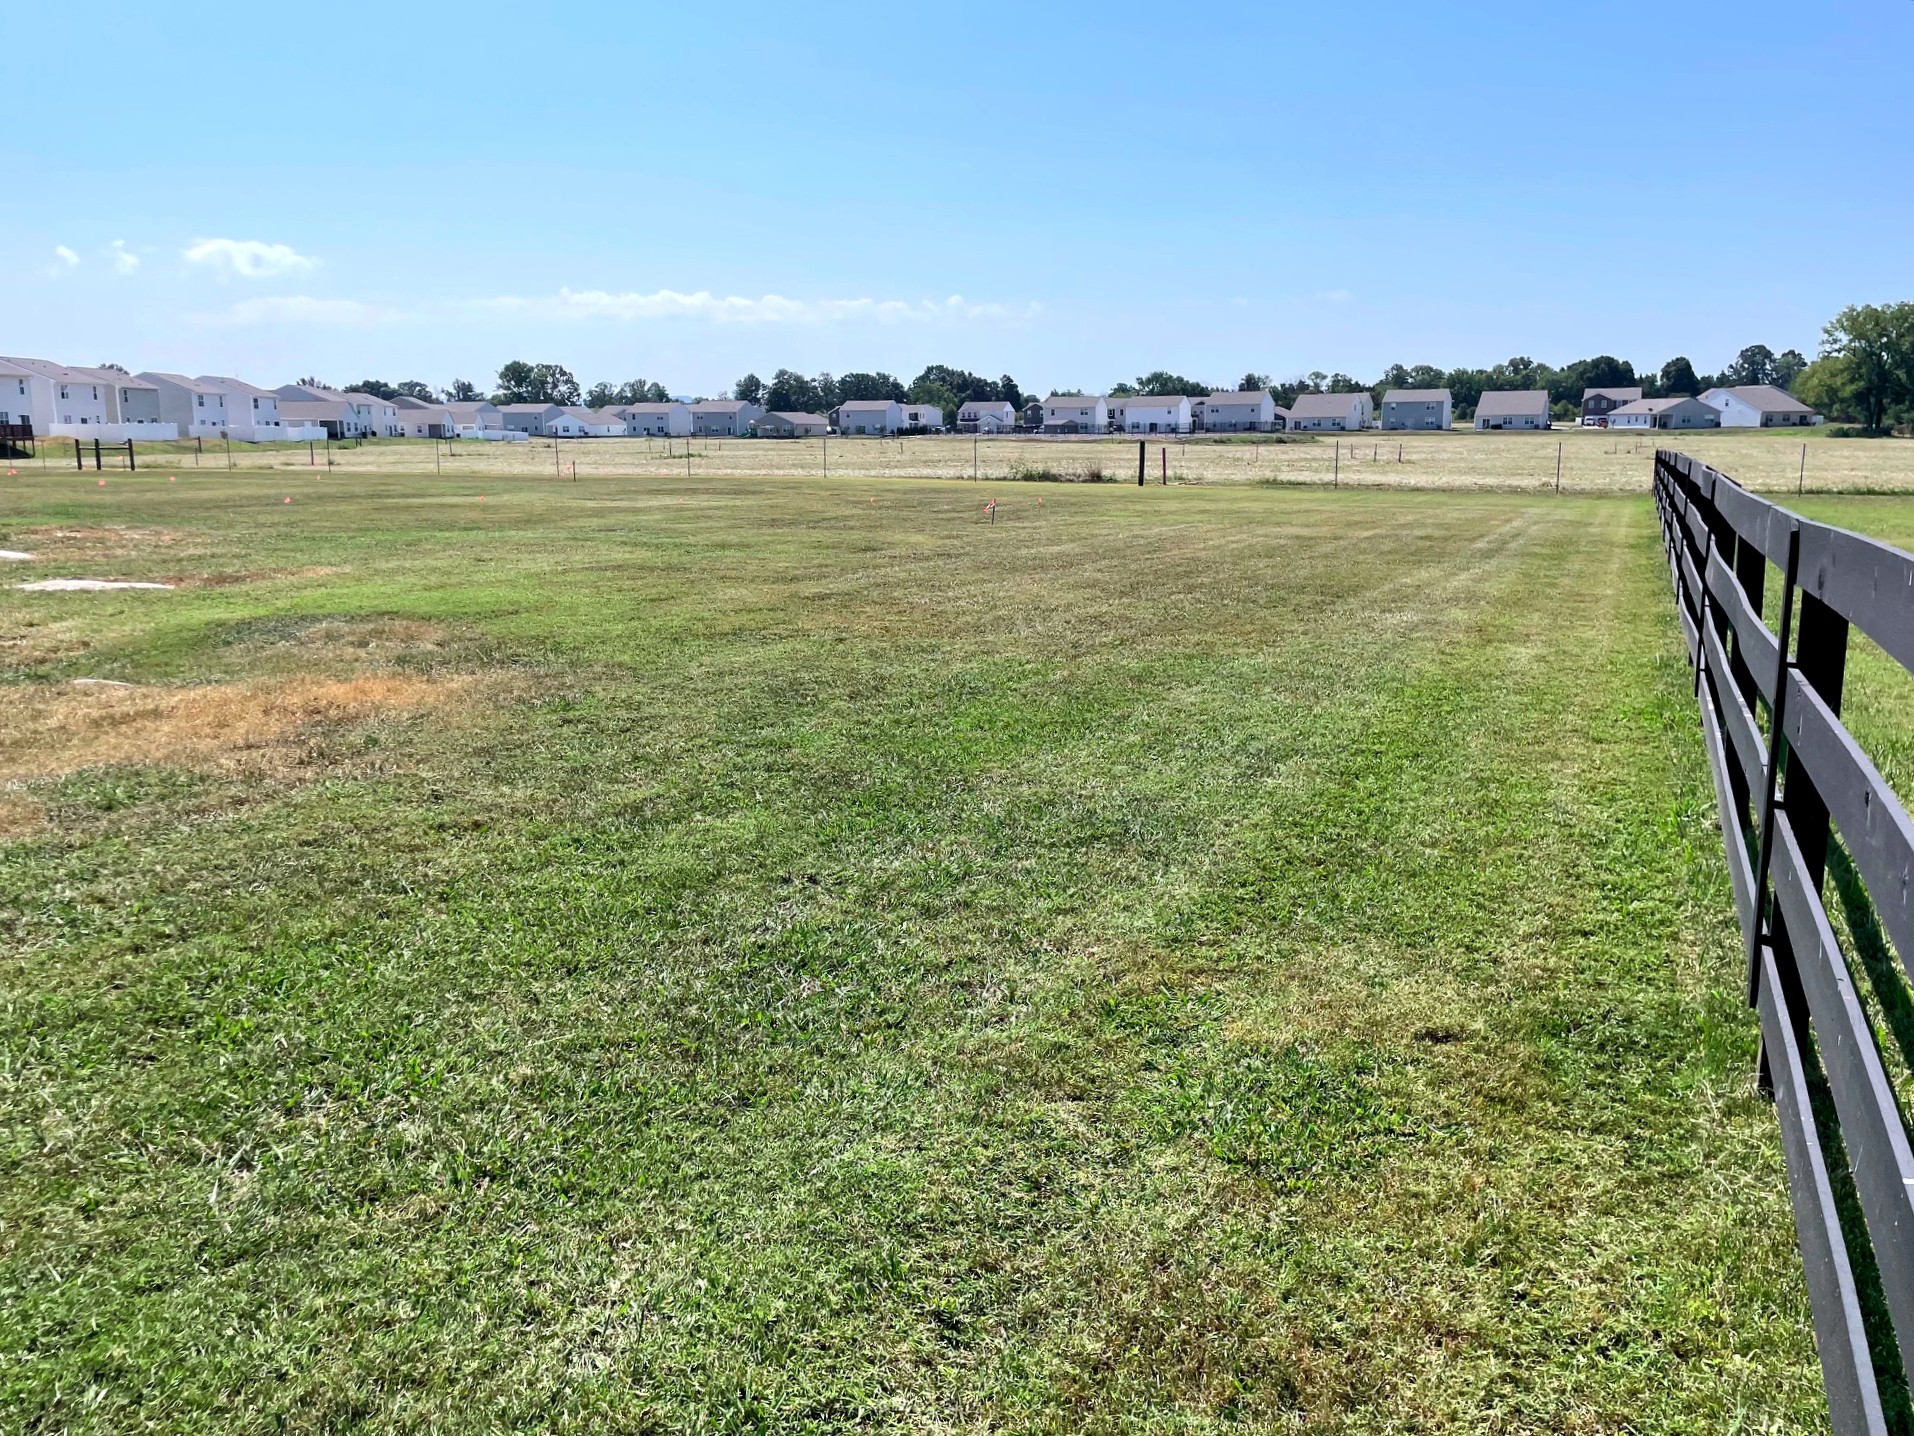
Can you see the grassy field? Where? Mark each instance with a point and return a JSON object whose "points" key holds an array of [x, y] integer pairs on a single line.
{"points": [[1593, 461], [800, 956]]}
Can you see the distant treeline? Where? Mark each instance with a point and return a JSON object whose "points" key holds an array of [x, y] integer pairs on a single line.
{"points": [[1863, 375]]}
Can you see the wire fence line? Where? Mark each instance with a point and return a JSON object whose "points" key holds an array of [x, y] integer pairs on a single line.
{"points": [[1794, 791], [1564, 460]]}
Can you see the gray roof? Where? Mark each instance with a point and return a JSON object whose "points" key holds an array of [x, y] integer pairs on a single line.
{"points": [[1325, 406], [1503, 403], [722, 406], [1417, 396], [198, 386], [1655, 406], [1766, 398], [988, 404], [1065, 401], [862, 405], [235, 386], [1238, 396], [1171, 400], [406, 401], [650, 409], [1626, 396], [47, 369], [526, 408], [469, 406], [795, 417]]}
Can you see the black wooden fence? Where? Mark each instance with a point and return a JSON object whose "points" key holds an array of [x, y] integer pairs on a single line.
{"points": [[1790, 780]]}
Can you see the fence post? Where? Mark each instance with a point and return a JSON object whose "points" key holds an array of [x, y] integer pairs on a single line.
{"points": [[132, 464], [1139, 463], [78, 461], [97, 465]]}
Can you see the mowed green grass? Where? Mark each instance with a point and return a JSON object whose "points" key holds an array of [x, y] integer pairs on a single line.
{"points": [[1168, 960]]}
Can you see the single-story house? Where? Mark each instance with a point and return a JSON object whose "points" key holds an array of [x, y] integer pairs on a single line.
{"points": [[790, 424], [1075, 414], [1417, 409], [870, 416], [1513, 409], [1677, 412], [669, 420], [1245, 411], [1759, 406], [473, 417], [419, 418], [986, 416], [1149, 413], [1333, 411], [1598, 404], [927, 417], [606, 423], [731, 418]]}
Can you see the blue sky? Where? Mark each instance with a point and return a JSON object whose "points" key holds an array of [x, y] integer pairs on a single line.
{"points": [[1073, 196]]}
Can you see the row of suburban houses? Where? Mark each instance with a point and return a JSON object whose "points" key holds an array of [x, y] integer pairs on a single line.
{"points": [[1748, 406], [60, 400]]}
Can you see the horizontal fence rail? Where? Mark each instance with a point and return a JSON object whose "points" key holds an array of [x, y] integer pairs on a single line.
{"points": [[1790, 781]]}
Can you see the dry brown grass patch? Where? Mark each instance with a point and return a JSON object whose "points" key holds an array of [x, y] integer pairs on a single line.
{"points": [[50, 730], [96, 541]]}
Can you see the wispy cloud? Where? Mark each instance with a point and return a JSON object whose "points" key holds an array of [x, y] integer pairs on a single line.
{"points": [[302, 309], [124, 261], [248, 258], [1336, 296], [68, 259], [740, 309]]}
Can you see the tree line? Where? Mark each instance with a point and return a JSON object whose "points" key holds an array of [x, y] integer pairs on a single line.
{"points": [[1863, 374]]}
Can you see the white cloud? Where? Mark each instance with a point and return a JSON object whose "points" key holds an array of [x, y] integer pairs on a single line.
{"points": [[1336, 296], [124, 260], [302, 309], [68, 259], [738, 309], [249, 258]]}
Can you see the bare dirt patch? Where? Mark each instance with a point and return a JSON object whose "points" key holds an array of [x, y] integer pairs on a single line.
{"points": [[50, 730]]}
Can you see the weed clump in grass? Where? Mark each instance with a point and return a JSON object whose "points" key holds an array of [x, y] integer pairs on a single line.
{"points": [[1093, 473]]}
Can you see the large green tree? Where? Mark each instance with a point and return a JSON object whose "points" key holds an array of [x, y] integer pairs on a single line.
{"points": [[523, 383], [1678, 377], [1161, 383], [968, 387], [462, 391], [1876, 343], [377, 388], [1753, 365], [1827, 386], [749, 389], [790, 392], [413, 389], [869, 386]]}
